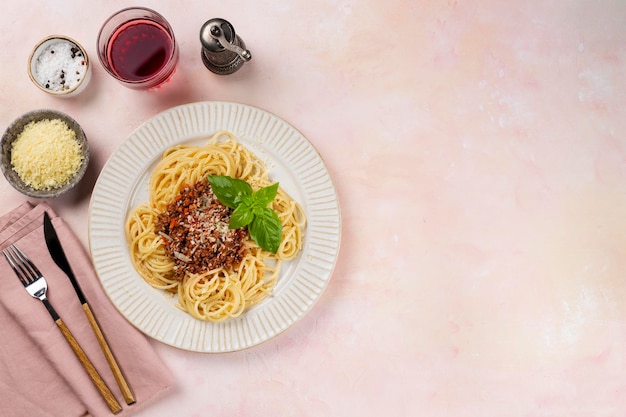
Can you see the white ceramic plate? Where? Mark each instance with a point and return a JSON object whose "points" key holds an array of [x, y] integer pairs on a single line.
{"points": [[123, 184]]}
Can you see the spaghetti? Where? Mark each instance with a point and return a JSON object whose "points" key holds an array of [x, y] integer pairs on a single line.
{"points": [[178, 182]]}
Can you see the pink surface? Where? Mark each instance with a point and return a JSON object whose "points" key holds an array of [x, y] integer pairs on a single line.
{"points": [[479, 153]]}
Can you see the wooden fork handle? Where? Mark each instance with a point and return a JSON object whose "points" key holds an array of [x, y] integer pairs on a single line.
{"points": [[108, 354], [97, 380]]}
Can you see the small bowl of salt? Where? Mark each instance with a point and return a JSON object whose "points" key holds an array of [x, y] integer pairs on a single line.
{"points": [[59, 66]]}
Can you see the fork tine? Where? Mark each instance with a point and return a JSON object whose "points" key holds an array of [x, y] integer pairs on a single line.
{"points": [[27, 263], [23, 267], [9, 257]]}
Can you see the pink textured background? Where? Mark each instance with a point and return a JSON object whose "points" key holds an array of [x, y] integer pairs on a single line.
{"points": [[479, 152]]}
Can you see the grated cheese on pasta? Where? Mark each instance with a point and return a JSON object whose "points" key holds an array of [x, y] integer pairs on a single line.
{"points": [[46, 154]]}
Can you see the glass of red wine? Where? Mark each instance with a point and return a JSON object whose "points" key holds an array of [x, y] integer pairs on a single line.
{"points": [[137, 47]]}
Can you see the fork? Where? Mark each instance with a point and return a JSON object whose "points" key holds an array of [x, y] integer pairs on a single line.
{"points": [[37, 287]]}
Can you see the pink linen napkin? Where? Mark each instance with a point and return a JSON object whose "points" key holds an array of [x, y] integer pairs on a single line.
{"points": [[39, 374]]}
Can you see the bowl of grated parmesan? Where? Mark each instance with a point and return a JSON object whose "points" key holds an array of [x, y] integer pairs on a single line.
{"points": [[44, 153]]}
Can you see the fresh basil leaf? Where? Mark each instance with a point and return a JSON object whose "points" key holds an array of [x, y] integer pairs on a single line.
{"points": [[266, 229], [241, 216], [250, 209], [266, 195], [249, 200], [228, 190]]}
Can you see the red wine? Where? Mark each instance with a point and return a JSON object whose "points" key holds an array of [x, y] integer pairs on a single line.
{"points": [[139, 49]]}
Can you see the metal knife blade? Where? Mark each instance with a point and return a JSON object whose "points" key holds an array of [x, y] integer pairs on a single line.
{"points": [[58, 255]]}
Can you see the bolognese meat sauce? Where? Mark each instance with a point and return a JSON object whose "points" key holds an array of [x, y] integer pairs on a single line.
{"points": [[194, 228]]}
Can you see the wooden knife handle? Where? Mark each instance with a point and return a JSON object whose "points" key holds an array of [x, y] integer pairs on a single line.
{"points": [[108, 354], [97, 380]]}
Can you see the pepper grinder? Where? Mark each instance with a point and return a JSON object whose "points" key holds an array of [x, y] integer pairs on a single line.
{"points": [[223, 52]]}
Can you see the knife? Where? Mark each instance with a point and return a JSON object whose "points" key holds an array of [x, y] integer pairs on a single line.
{"points": [[58, 255]]}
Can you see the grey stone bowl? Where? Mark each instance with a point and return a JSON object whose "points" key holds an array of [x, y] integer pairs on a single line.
{"points": [[11, 134]]}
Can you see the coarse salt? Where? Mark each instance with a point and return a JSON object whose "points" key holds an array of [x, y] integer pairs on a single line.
{"points": [[60, 66]]}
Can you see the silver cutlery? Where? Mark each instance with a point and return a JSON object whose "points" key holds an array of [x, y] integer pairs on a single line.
{"points": [[37, 287]]}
